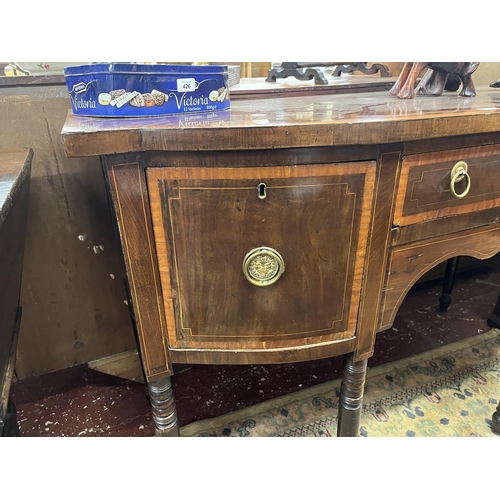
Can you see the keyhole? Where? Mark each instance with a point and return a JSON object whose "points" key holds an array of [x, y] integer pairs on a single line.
{"points": [[261, 189]]}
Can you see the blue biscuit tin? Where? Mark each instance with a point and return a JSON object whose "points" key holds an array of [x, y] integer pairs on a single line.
{"points": [[128, 90]]}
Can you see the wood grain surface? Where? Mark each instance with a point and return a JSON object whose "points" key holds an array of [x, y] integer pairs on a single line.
{"points": [[410, 262], [312, 121], [194, 161], [424, 190], [206, 220], [15, 167], [73, 291], [129, 194]]}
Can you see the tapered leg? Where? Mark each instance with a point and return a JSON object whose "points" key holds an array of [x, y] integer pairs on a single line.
{"points": [[495, 421], [449, 277], [351, 396], [163, 408]]}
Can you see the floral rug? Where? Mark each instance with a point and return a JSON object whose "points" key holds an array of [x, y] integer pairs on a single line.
{"points": [[449, 391]]}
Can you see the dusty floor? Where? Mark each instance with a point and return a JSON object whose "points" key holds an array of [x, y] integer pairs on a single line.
{"points": [[81, 402]]}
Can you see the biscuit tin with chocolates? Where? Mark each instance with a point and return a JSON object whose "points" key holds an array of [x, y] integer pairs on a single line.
{"points": [[128, 90]]}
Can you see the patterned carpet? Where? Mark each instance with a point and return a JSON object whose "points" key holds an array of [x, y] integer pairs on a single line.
{"points": [[449, 391]]}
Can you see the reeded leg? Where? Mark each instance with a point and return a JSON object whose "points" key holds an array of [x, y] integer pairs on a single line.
{"points": [[351, 396], [495, 421], [163, 408]]}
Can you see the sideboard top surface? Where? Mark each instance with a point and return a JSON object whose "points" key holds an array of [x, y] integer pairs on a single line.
{"points": [[306, 121]]}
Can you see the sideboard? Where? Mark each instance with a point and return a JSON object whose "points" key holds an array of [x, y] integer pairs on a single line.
{"points": [[290, 229]]}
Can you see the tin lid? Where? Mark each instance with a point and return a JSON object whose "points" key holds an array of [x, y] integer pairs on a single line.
{"points": [[143, 69]]}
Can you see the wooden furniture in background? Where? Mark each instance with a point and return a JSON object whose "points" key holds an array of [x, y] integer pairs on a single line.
{"points": [[352, 195], [74, 301], [252, 88], [15, 167], [252, 69]]}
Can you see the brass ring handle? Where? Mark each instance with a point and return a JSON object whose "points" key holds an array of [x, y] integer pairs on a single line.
{"points": [[263, 266], [458, 174]]}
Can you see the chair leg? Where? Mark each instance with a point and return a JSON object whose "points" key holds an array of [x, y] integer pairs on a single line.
{"points": [[449, 277]]}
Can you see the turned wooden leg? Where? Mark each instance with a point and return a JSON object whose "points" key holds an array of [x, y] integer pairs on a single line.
{"points": [[10, 427], [449, 278], [163, 408], [494, 319], [495, 421], [351, 396]]}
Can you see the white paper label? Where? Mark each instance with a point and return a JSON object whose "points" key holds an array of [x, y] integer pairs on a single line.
{"points": [[186, 85]]}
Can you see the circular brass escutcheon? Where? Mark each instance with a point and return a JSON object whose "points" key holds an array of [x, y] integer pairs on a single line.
{"points": [[458, 174], [263, 266]]}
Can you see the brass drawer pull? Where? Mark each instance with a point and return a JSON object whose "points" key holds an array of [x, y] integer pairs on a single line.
{"points": [[458, 174], [263, 266]]}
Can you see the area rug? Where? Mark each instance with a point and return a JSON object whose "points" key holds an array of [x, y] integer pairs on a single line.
{"points": [[449, 391]]}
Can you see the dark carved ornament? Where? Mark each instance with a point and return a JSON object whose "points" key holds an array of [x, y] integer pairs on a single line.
{"points": [[309, 70], [439, 76]]}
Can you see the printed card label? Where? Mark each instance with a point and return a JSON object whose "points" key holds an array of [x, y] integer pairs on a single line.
{"points": [[186, 85]]}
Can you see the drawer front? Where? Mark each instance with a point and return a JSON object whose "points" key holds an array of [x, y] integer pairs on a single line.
{"points": [[410, 262], [425, 187], [311, 221]]}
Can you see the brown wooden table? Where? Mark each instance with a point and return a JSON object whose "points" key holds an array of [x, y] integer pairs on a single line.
{"points": [[15, 167], [290, 229]]}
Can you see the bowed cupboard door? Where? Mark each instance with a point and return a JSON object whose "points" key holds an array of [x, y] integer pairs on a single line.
{"points": [[260, 258]]}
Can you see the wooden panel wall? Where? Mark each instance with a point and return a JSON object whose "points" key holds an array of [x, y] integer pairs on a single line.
{"points": [[73, 294]]}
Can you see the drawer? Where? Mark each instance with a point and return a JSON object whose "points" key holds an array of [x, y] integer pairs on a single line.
{"points": [[425, 186], [261, 258], [408, 263]]}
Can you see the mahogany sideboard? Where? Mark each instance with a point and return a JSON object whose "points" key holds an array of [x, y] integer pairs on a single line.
{"points": [[289, 229], [15, 170]]}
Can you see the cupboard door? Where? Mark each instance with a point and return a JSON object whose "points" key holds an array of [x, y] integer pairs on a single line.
{"points": [[263, 257]]}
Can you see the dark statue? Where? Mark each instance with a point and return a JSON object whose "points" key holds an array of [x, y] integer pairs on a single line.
{"points": [[440, 76]]}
